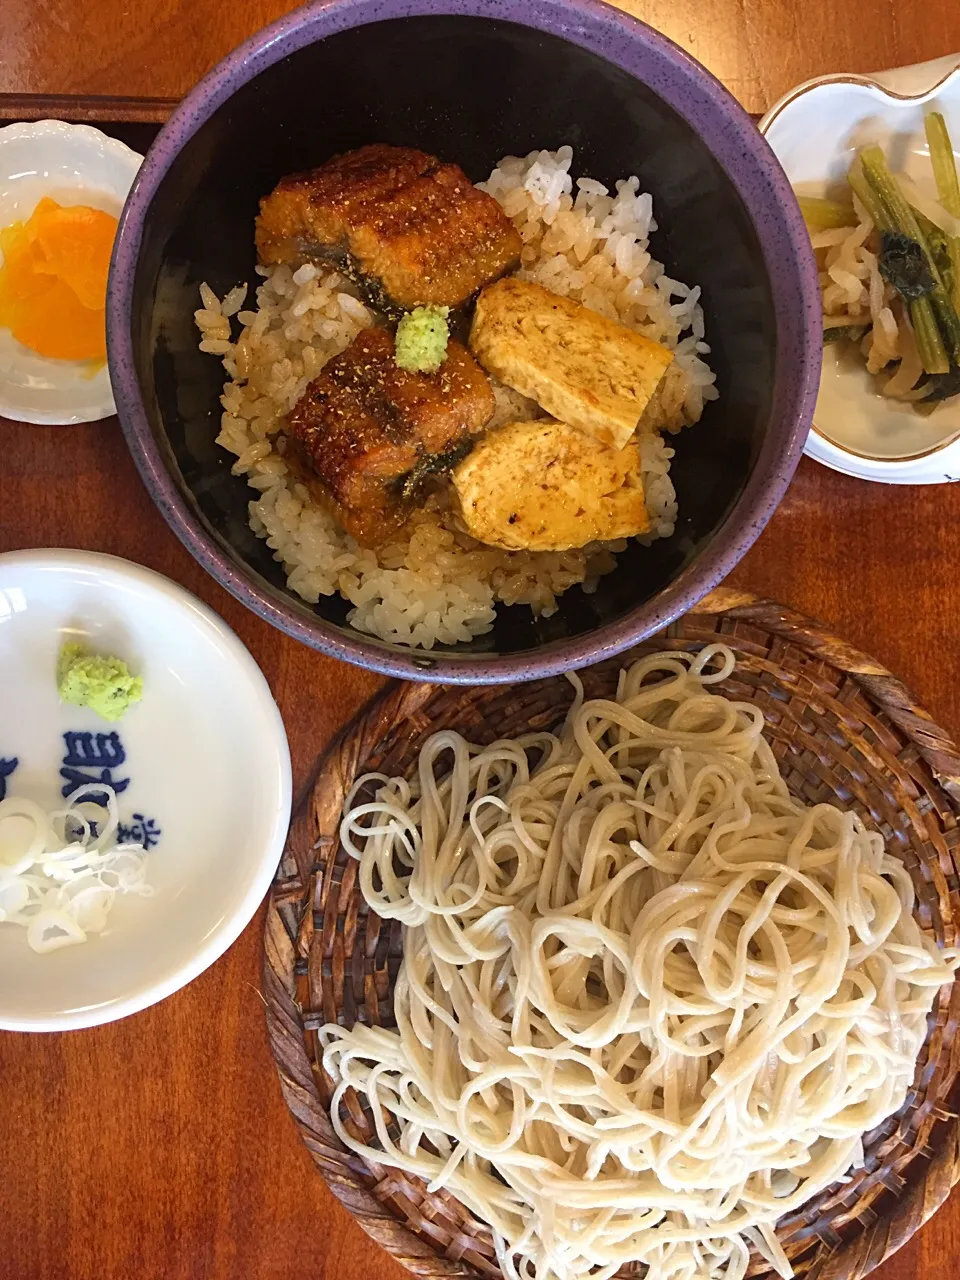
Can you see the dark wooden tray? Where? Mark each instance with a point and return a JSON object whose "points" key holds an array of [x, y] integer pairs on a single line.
{"points": [[135, 121]]}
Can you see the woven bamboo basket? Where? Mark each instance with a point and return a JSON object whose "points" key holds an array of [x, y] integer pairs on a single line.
{"points": [[843, 729]]}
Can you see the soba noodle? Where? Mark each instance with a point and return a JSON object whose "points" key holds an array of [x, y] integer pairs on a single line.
{"points": [[649, 1003]]}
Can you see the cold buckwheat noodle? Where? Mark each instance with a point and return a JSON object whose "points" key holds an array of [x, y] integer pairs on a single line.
{"points": [[649, 1002]]}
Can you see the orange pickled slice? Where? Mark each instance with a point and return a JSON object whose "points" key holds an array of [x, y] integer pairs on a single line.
{"points": [[77, 243], [53, 280], [57, 324], [21, 258]]}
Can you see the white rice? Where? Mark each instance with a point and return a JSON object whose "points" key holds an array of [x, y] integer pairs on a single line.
{"points": [[435, 584]]}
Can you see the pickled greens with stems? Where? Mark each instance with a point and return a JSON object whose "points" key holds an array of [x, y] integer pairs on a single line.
{"points": [[948, 191], [888, 253], [903, 264], [821, 215]]}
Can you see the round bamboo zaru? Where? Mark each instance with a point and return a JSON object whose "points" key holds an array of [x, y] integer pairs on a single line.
{"points": [[844, 730]]}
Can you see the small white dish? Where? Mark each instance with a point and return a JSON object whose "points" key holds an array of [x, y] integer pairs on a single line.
{"points": [[72, 164], [203, 757], [815, 130]]}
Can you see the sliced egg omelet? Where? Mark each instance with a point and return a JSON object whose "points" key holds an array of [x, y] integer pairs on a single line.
{"points": [[545, 486], [580, 367]]}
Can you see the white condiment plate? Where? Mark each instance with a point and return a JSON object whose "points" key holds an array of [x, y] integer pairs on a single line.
{"points": [[815, 130], [203, 758], [73, 164]]}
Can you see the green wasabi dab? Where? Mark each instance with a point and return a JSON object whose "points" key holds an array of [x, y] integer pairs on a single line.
{"points": [[105, 685], [422, 337]]}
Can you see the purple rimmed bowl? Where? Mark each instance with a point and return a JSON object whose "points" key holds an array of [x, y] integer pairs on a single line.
{"points": [[472, 80]]}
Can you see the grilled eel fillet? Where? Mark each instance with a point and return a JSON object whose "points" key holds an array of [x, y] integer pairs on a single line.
{"points": [[369, 430], [408, 229]]}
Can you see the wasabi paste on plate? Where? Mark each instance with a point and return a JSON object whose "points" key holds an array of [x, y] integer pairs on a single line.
{"points": [[104, 684]]}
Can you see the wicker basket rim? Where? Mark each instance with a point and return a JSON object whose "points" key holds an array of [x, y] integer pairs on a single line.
{"points": [[286, 1028]]}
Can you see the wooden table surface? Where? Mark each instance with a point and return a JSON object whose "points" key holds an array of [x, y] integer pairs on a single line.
{"points": [[159, 1147]]}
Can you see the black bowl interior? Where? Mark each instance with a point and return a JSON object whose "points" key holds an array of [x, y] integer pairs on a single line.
{"points": [[470, 90]]}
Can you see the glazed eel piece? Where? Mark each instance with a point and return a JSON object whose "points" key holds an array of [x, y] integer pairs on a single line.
{"points": [[408, 229]]}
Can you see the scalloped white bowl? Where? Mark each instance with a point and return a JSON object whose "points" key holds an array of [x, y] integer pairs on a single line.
{"points": [[815, 130], [73, 164]]}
